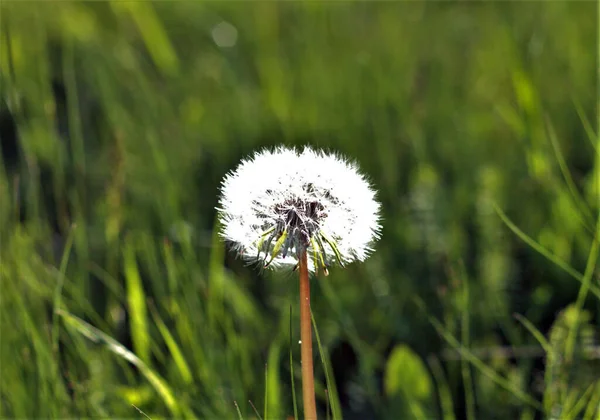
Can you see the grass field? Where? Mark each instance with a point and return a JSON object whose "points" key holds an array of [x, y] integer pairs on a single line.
{"points": [[476, 121]]}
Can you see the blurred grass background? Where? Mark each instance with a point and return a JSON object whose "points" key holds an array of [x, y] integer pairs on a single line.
{"points": [[477, 122]]}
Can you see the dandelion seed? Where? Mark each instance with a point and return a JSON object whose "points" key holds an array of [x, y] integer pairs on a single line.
{"points": [[279, 204]]}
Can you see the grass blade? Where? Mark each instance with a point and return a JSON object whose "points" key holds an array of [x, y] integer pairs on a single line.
{"points": [[174, 349], [586, 284], [333, 395], [155, 380], [272, 383], [580, 404], [586, 124], [266, 392], [593, 406], [543, 251], [465, 368], [136, 301], [445, 395], [237, 408], [255, 410], [547, 349], [57, 300], [477, 363], [537, 334], [564, 169]]}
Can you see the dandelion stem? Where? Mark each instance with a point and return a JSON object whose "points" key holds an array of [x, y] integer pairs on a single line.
{"points": [[308, 380]]}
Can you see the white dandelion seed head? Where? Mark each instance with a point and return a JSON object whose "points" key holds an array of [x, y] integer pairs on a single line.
{"points": [[278, 204]]}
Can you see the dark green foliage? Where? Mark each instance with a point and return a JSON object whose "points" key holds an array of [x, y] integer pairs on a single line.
{"points": [[476, 121]]}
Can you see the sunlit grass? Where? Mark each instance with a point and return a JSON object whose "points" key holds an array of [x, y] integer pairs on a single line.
{"points": [[476, 122]]}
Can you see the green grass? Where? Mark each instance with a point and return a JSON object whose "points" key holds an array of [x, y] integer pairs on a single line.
{"points": [[477, 122]]}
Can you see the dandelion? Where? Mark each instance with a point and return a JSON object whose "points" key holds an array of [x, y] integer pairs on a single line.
{"points": [[280, 207], [279, 204]]}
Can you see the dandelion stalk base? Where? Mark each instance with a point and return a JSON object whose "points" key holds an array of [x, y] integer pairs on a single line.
{"points": [[308, 380]]}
